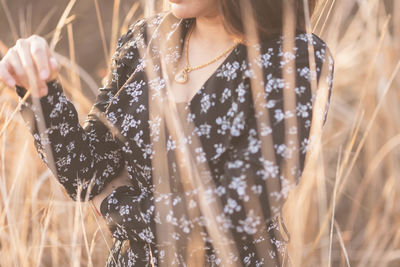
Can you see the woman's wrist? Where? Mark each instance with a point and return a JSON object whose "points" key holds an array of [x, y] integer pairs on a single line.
{"points": [[52, 85], [119, 181]]}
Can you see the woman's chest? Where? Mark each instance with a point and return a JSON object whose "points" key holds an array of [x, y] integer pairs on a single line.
{"points": [[184, 83], [144, 116]]}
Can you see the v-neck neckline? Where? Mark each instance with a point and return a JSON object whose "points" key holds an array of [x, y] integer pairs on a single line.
{"points": [[212, 76]]}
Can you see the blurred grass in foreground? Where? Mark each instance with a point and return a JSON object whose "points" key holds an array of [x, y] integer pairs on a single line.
{"points": [[345, 212]]}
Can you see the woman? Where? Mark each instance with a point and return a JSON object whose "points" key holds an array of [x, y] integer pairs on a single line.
{"points": [[203, 191]]}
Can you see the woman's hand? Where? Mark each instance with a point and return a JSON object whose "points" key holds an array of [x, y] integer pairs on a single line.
{"points": [[29, 64], [121, 180]]}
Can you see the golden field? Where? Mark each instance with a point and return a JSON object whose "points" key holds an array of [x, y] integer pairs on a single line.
{"points": [[345, 212]]}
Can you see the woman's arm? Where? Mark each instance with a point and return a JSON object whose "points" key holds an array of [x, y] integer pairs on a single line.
{"points": [[83, 158], [121, 180]]}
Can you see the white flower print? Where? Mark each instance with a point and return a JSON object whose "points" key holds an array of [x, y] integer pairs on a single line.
{"points": [[124, 210], [205, 103], [265, 129], [219, 150], [286, 58], [129, 122], [232, 206], [300, 90], [264, 60], [224, 222], [283, 150], [225, 95], [239, 184], [171, 144], [112, 117], [228, 70], [254, 142], [225, 124], [269, 170], [302, 110], [241, 91], [156, 85], [238, 124], [134, 90], [249, 225], [304, 145], [203, 130], [274, 84], [155, 128], [200, 155]]}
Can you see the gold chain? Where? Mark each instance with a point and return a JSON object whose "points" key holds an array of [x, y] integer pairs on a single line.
{"points": [[188, 68], [182, 76]]}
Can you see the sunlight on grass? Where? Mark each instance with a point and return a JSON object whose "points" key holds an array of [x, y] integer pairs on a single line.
{"points": [[345, 210]]}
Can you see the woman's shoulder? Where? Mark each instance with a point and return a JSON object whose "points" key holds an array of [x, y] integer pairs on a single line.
{"points": [[280, 46], [140, 33], [148, 22], [303, 41], [147, 26], [135, 37], [139, 28]]}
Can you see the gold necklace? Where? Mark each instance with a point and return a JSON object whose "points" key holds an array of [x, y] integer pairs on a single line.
{"points": [[182, 75]]}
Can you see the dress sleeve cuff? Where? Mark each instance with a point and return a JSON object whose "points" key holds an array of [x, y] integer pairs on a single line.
{"points": [[28, 109], [54, 87], [120, 193]]}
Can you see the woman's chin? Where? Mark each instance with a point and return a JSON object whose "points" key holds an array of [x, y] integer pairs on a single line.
{"points": [[192, 9], [181, 11], [186, 10]]}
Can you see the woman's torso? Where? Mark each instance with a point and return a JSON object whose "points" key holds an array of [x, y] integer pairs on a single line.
{"points": [[211, 121]]}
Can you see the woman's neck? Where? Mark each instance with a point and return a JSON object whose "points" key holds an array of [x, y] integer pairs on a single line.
{"points": [[210, 32]]}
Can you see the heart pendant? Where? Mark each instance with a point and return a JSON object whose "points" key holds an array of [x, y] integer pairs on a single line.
{"points": [[181, 77]]}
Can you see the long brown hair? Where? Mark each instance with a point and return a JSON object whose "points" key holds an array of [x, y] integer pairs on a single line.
{"points": [[267, 14]]}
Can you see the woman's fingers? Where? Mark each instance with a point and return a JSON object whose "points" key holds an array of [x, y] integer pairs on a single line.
{"points": [[15, 67], [5, 75], [46, 65], [25, 55], [54, 66], [40, 55], [29, 64]]}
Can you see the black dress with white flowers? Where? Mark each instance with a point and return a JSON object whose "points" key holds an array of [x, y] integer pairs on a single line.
{"points": [[226, 212]]}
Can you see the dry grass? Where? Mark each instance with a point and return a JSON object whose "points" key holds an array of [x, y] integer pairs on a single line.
{"points": [[345, 211]]}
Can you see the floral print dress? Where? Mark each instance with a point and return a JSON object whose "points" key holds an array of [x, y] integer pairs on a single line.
{"points": [[227, 211]]}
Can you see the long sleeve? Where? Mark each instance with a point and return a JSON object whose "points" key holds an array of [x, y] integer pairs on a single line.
{"points": [[127, 212], [84, 157]]}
